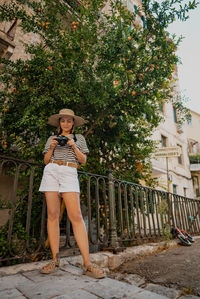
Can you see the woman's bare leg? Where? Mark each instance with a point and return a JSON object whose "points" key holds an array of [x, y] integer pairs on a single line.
{"points": [[53, 228], [72, 203]]}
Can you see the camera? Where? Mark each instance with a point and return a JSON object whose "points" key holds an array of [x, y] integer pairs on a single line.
{"points": [[62, 140]]}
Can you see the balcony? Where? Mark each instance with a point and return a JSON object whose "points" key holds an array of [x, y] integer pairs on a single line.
{"points": [[194, 163], [195, 167]]}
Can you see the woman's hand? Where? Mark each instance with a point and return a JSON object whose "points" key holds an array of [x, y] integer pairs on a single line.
{"points": [[71, 142], [53, 143]]}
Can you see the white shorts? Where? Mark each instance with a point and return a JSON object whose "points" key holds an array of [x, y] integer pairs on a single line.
{"points": [[59, 178]]}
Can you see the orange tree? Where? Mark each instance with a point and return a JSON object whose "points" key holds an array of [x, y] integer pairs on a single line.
{"points": [[105, 66]]}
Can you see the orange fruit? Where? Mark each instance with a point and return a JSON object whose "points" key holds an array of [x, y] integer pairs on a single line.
{"points": [[39, 9], [133, 93], [129, 37], [140, 77], [5, 146]]}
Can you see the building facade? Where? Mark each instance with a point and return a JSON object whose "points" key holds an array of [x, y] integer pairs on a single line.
{"points": [[193, 136], [173, 173]]}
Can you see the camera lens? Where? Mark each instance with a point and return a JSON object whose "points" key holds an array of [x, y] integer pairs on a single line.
{"points": [[62, 142]]}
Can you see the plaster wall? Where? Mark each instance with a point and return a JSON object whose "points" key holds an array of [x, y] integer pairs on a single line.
{"points": [[193, 127]]}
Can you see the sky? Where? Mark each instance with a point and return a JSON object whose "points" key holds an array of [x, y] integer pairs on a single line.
{"points": [[189, 52]]}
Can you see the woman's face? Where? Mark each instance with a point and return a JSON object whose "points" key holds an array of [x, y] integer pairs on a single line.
{"points": [[66, 123]]}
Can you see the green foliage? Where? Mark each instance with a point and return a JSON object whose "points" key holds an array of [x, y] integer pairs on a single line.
{"points": [[163, 210], [105, 67], [19, 234], [163, 207], [3, 241], [195, 159], [167, 11]]}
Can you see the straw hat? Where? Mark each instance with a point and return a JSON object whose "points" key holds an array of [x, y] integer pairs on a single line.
{"points": [[54, 119]]}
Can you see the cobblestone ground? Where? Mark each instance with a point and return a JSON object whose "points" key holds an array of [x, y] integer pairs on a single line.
{"points": [[177, 268]]}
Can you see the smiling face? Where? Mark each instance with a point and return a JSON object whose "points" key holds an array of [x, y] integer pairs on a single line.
{"points": [[66, 124]]}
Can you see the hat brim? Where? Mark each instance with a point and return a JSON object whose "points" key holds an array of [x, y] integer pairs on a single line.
{"points": [[54, 120]]}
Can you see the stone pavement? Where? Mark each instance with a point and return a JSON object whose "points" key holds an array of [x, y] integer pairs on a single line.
{"points": [[25, 281], [68, 283]]}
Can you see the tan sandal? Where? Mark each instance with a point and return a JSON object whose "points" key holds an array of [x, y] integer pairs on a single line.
{"points": [[51, 267], [93, 270]]}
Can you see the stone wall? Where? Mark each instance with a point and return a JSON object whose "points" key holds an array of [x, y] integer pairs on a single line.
{"points": [[12, 38]]}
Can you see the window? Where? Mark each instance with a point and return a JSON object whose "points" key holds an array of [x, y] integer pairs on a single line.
{"points": [[184, 191], [195, 185], [2, 52], [175, 115], [180, 158], [163, 141], [174, 189]]}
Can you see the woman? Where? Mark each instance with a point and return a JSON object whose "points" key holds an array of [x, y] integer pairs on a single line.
{"points": [[60, 176]]}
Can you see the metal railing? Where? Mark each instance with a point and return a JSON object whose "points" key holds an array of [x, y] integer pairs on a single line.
{"points": [[116, 213], [146, 213]]}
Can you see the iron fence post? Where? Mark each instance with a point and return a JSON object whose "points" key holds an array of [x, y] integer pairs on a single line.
{"points": [[113, 241]]}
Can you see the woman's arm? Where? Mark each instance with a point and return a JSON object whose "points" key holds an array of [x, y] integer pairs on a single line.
{"points": [[82, 158], [48, 155]]}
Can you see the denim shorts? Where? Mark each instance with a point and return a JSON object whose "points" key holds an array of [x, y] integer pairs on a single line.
{"points": [[59, 178]]}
